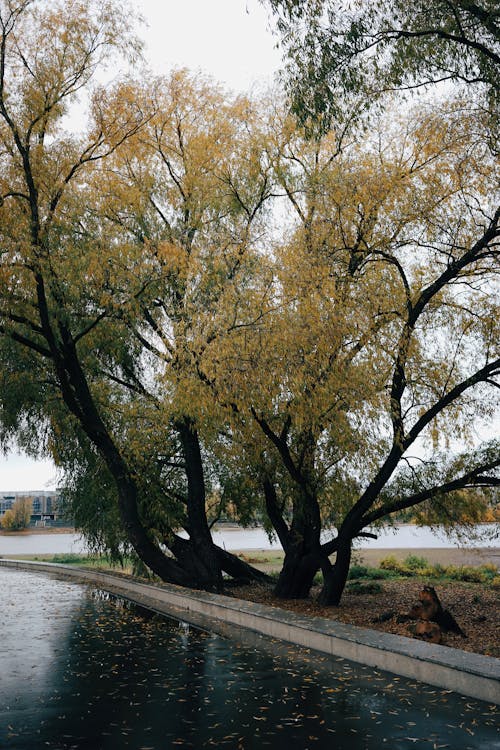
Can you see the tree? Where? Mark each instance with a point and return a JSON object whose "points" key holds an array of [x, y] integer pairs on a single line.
{"points": [[82, 270], [189, 190], [58, 320], [362, 49], [380, 334], [18, 517]]}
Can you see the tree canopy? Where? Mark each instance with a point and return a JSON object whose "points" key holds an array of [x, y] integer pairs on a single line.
{"points": [[364, 48], [202, 305]]}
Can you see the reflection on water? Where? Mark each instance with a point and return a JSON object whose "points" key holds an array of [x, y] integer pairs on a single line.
{"points": [[82, 670]]}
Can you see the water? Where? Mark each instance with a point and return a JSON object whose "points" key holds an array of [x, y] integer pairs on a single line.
{"points": [[41, 544], [410, 537], [84, 671]]}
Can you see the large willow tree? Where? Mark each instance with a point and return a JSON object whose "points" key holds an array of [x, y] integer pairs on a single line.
{"points": [[79, 276], [379, 344]]}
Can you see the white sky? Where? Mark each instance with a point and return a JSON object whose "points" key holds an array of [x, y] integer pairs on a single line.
{"points": [[230, 40]]}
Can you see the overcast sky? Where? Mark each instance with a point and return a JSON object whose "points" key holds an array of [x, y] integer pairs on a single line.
{"points": [[229, 39]]}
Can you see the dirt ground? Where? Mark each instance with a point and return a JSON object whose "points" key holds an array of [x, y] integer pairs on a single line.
{"points": [[474, 606]]}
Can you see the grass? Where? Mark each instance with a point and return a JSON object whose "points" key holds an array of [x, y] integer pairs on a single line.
{"points": [[93, 561], [413, 566], [262, 557]]}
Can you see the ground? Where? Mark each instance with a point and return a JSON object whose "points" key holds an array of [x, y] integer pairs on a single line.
{"points": [[474, 606]]}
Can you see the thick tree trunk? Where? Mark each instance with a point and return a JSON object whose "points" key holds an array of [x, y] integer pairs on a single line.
{"points": [[335, 576], [302, 549], [239, 569], [207, 560], [297, 574], [164, 567]]}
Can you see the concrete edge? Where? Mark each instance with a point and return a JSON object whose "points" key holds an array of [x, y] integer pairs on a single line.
{"points": [[473, 675]]}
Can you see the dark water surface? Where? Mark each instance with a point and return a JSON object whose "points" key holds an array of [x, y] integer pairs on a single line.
{"points": [[80, 669]]}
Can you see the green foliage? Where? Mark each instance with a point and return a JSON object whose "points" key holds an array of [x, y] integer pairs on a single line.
{"points": [[415, 563], [368, 573], [390, 563], [70, 558], [481, 574], [358, 571], [342, 54], [419, 566]]}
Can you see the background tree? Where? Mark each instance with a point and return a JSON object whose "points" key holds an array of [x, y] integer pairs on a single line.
{"points": [[361, 49], [18, 517]]}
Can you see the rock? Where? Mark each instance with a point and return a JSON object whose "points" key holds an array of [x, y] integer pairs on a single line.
{"points": [[429, 631], [429, 609]]}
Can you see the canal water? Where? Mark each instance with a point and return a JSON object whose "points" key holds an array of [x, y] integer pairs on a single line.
{"points": [[81, 670]]}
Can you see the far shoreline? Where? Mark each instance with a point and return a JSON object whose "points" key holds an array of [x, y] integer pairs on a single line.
{"points": [[40, 530]]}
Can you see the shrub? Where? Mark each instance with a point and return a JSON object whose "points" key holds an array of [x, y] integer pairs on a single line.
{"points": [[413, 562], [490, 570], [390, 563], [376, 573], [395, 565], [438, 570], [466, 573], [431, 572], [358, 571]]}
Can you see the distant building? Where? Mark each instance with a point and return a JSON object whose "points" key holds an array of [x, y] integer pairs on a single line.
{"points": [[45, 505]]}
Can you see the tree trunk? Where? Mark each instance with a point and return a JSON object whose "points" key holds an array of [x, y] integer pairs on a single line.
{"points": [[164, 567], [303, 548], [239, 569], [297, 574], [299, 567], [335, 576], [202, 546]]}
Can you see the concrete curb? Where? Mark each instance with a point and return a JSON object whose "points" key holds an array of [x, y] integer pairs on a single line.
{"points": [[474, 675]]}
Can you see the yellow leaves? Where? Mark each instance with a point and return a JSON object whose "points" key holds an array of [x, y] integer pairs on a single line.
{"points": [[173, 258]]}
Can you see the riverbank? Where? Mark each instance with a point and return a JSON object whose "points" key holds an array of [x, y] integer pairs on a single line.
{"points": [[39, 530], [446, 556], [270, 562]]}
